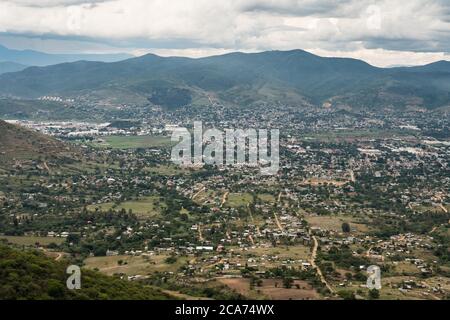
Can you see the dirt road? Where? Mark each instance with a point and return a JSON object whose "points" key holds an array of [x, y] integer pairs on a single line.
{"points": [[224, 199], [314, 265]]}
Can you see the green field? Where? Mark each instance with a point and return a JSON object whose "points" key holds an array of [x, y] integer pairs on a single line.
{"points": [[132, 265], [147, 207], [132, 142], [31, 241], [239, 200], [266, 197]]}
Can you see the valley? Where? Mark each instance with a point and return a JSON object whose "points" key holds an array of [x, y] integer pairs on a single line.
{"points": [[370, 188]]}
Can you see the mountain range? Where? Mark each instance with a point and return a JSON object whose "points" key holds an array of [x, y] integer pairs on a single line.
{"points": [[283, 77], [11, 67], [36, 58]]}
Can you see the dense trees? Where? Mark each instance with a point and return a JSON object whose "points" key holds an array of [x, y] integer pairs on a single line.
{"points": [[31, 275]]}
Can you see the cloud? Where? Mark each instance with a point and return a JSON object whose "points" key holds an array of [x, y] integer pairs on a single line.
{"points": [[421, 26], [300, 7], [52, 3]]}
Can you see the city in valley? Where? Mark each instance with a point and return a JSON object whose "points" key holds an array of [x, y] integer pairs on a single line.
{"points": [[241, 153], [354, 189]]}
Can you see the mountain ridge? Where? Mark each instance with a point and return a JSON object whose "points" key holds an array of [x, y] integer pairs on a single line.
{"points": [[290, 77], [8, 66], [37, 58]]}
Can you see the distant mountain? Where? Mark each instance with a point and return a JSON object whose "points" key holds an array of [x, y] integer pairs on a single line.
{"points": [[439, 66], [283, 77], [11, 67], [43, 110], [36, 58]]}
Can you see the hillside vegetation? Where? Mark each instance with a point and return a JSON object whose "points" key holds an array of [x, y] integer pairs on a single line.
{"points": [[30, 275], [18, 143], [288, 77]]}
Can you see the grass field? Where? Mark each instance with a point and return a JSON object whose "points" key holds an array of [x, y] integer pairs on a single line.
{"points": [[266, 197], [334, 223], [133, 142], [134, 265], [271, 289], [238, 200], [147, 207], [31, 241], [298, 252], [406, 268], [207, 197]]}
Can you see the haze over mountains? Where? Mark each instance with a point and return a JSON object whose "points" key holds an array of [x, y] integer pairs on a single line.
{"points": [[285, 77], [11, 67], [36, 58]]}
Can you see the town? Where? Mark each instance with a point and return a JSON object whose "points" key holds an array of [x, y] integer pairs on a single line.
{"points": [[353, 189]]}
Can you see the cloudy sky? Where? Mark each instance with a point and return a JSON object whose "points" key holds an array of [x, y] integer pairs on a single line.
{"points": [[382, 32]]}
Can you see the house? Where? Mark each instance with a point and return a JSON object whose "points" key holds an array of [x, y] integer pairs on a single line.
{"points": [[204, 248], [306, 265], [110, 253]]}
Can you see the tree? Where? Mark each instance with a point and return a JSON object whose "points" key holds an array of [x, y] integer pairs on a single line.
{"points": [[346, 227], [73, 238], [171, 260], [347, 295], [374, 294], [55, 289], [288, 282]]}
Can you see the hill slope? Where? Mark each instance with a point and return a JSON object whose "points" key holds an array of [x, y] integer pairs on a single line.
{"points": [[30, 275], [290, 77], [18, 143]]}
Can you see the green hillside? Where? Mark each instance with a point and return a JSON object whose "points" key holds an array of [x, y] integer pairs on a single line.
{"points": [[289, 77], [32, 276]]}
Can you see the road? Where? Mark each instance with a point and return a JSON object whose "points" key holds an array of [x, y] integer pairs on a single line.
{"points": [[200, 191], [253, 220], [278, 222], [314, 265], [200, 235], [224, 198]]}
